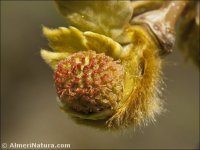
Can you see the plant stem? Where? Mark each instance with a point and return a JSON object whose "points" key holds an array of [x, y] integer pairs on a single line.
{"points": [[143, 6], [172, 11], [162, 23]]}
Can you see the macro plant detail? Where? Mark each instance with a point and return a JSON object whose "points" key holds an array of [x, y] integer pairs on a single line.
{"points": [[89, 82], [108, 63]]}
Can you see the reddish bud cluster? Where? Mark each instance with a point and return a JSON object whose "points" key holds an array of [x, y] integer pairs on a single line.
{"points": [[88, 82]]}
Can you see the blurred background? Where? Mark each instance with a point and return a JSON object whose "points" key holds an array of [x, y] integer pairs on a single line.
{"points": [[29, 111]]}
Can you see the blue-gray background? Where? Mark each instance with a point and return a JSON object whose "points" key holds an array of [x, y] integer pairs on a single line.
{"points": [[29, 111]]}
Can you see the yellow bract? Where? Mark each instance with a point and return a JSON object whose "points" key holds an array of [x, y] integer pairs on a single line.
{"points": [[103, 44], [52, 58], [105, 17], [65, 41]]}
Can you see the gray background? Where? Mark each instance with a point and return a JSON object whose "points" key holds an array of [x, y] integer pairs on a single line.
{"points": [[29, 111]]}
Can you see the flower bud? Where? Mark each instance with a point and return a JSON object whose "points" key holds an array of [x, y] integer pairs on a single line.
{"points": [[89, 83]]}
